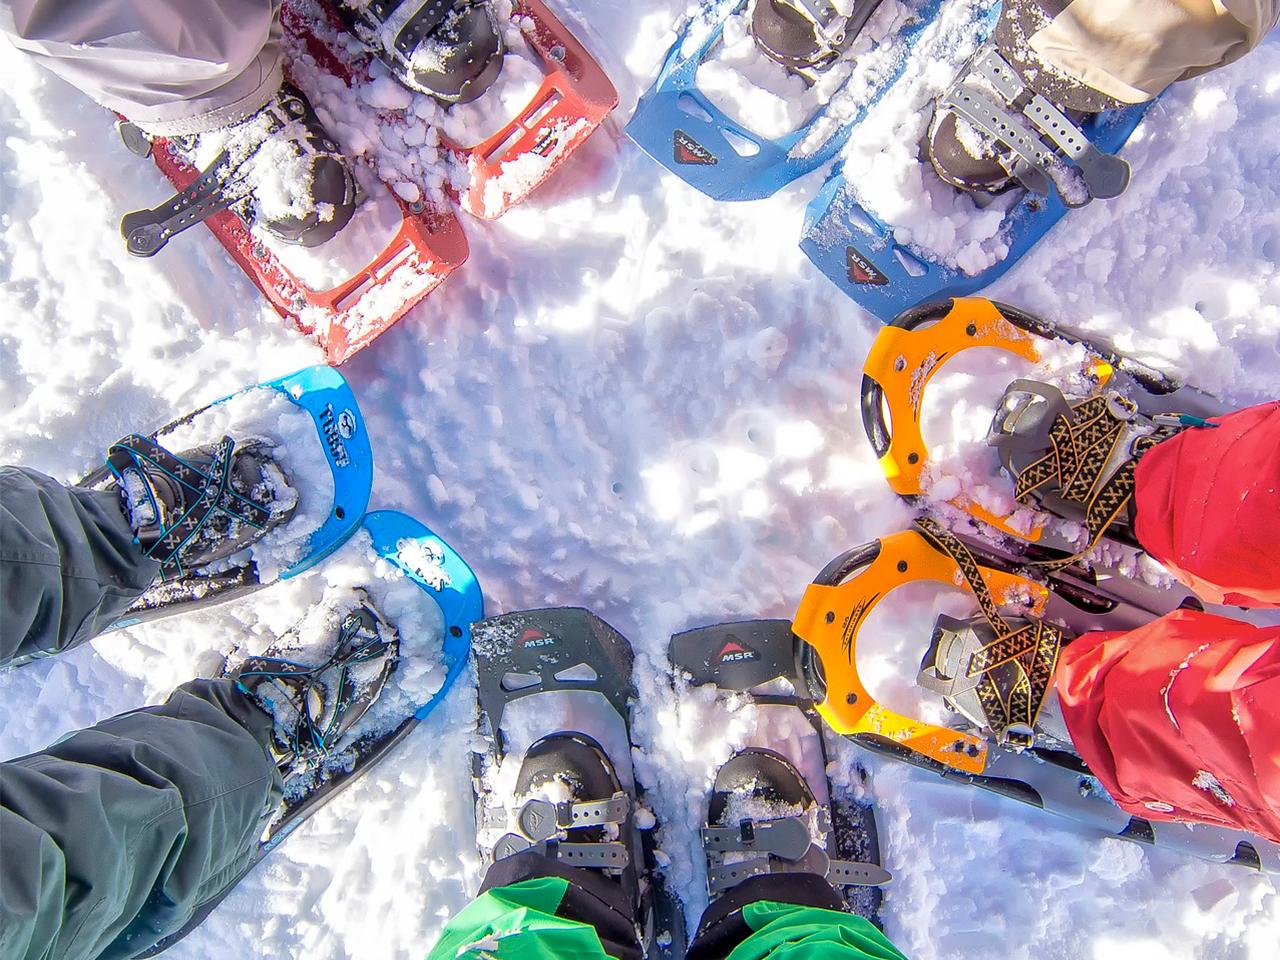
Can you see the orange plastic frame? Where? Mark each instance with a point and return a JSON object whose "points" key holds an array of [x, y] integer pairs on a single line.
{"points": [[830, 618], [903, 361]]}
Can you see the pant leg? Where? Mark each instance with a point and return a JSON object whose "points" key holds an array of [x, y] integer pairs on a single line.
{"points": [[68, 564], [1132, 49], [531, 906], [173, 67], [112, 837], [796, 916]]}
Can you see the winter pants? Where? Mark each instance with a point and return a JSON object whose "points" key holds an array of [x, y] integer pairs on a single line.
{"points": [[112, 837], [1132, 49], [174, 67], [533, 908]]}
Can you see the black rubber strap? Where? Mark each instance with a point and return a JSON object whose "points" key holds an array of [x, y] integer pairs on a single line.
{"points": [[423, 23]]}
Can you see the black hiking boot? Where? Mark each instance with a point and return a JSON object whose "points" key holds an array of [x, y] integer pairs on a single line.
{"points": [[806, 34]]}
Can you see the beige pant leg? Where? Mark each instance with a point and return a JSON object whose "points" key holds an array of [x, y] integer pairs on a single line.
{"points": [[173, 67], [1133, 49]]}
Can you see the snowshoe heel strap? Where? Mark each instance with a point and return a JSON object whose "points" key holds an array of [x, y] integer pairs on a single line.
{"points": [[595, 856], [146, 232]]}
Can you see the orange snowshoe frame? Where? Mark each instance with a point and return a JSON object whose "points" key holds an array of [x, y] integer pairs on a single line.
{"points": [[907, 354], [836, 606], [574, 99]]}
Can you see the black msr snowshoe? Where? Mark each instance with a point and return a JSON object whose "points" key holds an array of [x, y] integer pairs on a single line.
{"points": [[283, 139], [807, 36], [448, 49], [1011, 121], [765, 817], [556, 782]]}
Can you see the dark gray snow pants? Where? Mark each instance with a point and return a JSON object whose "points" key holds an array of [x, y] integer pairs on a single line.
{"points": [[112, 837]]}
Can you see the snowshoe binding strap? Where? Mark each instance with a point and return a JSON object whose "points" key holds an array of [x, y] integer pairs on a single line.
{"points": [[221, 184], [207, 489], [783, 843], [1092, 456], [542, 822], [1031, 648], [806, 36], [1048, 149], [324, 700]]}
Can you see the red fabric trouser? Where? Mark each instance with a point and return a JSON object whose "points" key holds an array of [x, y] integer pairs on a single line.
{"points": [[1208, 507], [1180, 719]]}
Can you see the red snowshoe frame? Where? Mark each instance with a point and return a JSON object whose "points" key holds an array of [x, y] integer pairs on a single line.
{"points": [[428, 247], [572, 102]]}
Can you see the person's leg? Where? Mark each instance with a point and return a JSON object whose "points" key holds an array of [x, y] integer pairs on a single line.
{"points": [[1132, 49], [173, 67], [533, 906], [69, 565], [798, 912], [112, 837]]}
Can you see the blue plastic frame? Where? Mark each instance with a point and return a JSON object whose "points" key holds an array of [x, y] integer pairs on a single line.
{"points": [[725, 174], [836, 237], [460, 598]]}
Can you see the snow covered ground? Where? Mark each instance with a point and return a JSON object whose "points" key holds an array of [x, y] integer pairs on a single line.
{"points": [[640, 401]]}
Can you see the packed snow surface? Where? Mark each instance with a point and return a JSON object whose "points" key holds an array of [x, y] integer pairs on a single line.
{"points": [[637, 400]]}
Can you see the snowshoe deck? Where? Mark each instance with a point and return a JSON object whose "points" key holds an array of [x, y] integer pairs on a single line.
{"points": [[681, 128], [751, 656], [566, 650], [859, 252], [911, 350], [837, 605], [323, 394], [402, 541]]}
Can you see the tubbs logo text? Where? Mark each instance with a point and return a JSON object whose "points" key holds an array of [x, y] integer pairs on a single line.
{"points": [[337, 428]]}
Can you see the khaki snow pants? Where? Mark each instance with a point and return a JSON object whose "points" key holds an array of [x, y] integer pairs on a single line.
{"points": [[1132, 49], [174, 67]]}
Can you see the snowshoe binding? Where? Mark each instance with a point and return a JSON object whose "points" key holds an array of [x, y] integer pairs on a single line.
{"points": [[285, 139], [765, 816], [807, 35], [315, 701], [1008, 120], [225, 519], [556, 777], [1070, 454], [195, 508], [995, 670], [448, 49]]}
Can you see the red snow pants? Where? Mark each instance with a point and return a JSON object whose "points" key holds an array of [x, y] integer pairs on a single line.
{"points": [[1208, 507], [1180, 719]]}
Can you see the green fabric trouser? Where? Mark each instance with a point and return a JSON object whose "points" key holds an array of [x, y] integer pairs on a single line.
{"points": [[523, 921]]}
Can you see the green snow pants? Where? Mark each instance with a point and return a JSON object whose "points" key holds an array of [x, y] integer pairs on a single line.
{"points": [[532, 908], [112, 837]]}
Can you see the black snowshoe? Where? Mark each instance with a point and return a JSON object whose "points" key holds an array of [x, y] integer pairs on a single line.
{"points": [[284, 134], [765, 817], [448, 49], [807, 35], [561, 677], [1010, 121]]}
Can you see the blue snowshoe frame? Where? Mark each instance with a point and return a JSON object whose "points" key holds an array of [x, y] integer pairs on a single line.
{"points": [[674, 114], [857, 251]]}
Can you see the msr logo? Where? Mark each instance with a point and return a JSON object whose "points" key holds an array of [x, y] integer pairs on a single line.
{"points": [[535, 638], [547, 141], [690, 152], [337, 428], [863, 271], [735, 652]]}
